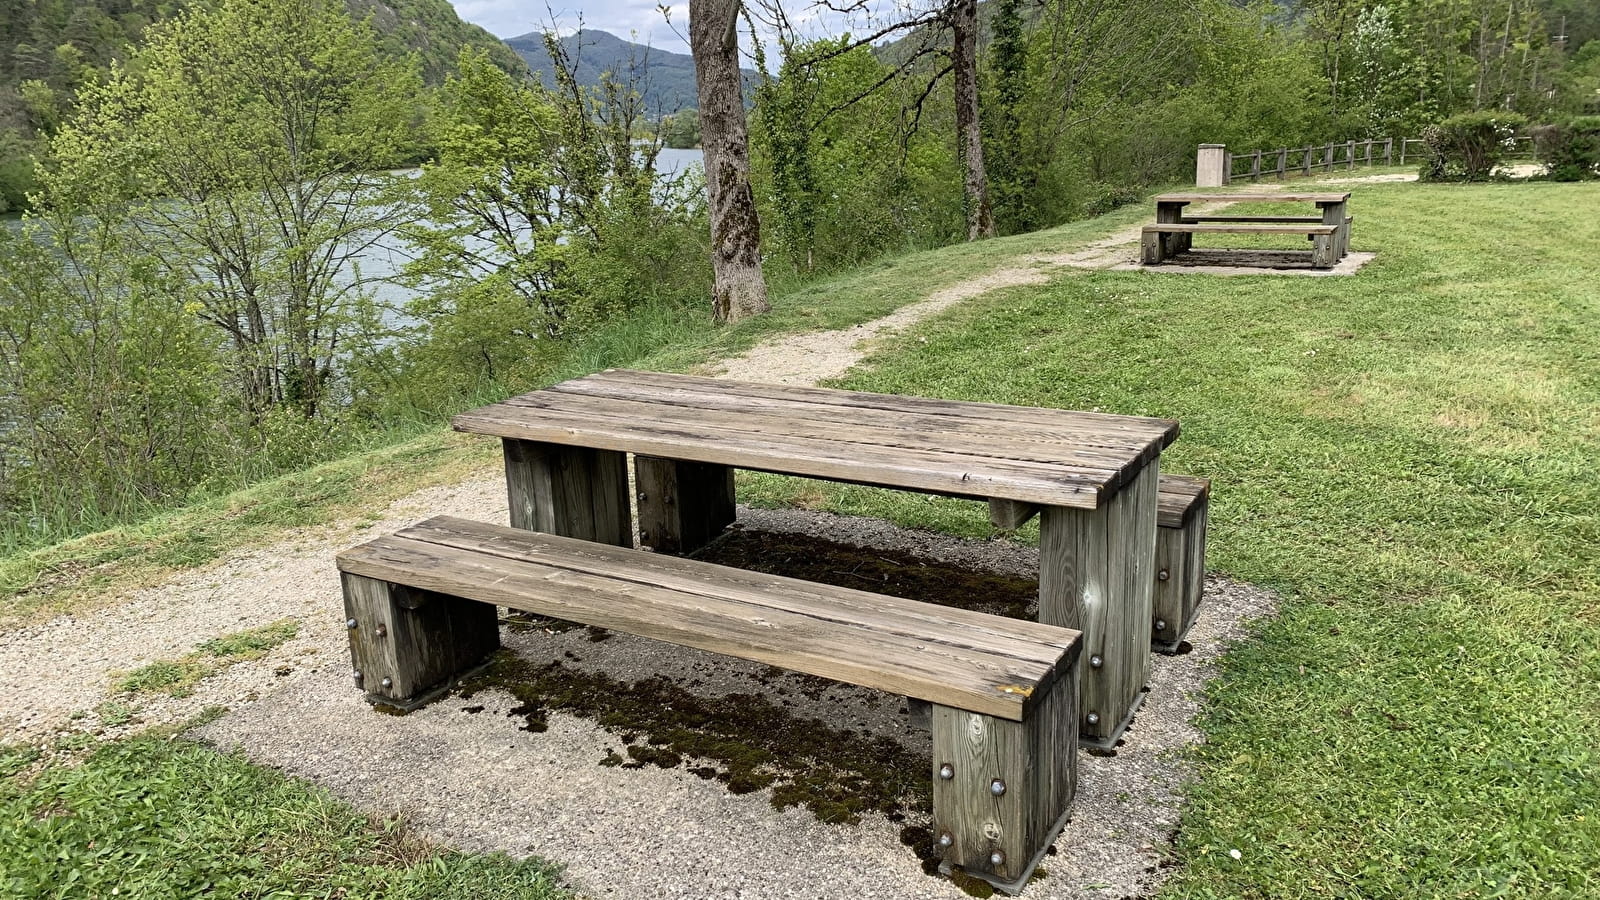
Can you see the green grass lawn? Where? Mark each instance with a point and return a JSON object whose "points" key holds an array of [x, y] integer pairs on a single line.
{"points": [[1412, 457], [1407, 455]]}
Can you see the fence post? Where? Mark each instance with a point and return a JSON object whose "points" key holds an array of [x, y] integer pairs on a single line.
{"points": [[1255, 167], [1403, 142], [1369, 152], [1327, 158], [1350, 155], [1283, 163], [1388, 151], [1305, 161], [1213, 165]]}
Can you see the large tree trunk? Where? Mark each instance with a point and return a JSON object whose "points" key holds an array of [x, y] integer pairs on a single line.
{"points": [[739, 290], [969, 130]]}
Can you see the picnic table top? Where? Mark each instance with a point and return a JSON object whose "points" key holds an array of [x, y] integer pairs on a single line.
{"points": [[1051, 457], [1255, 197]]}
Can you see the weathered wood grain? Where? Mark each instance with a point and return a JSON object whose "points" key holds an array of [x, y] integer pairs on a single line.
{"points": [[1254, 197], [1096, 573], [413, 639], [1180, 557], [1035, 761], [1009, 515], [683, 506], [573, 491], [950, 657]]}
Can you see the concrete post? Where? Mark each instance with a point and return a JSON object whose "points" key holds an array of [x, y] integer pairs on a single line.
{"points": [[1211, 166]]}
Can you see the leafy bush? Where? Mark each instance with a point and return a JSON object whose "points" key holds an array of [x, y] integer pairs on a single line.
{"points": [[1570, 149], [1467, 147]]}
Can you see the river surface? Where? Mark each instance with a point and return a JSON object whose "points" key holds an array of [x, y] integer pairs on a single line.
{"points": [[385, 259]]}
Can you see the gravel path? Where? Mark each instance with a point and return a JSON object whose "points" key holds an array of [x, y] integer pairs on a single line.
{"points": [[468, 774]]}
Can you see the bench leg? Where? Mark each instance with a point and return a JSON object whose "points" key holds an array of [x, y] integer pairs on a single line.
{"points": [[998, 832], [1325, 250], [1009, 515], [569, 491], [405, 642], [1180, 578], [1153, 247], [1097, 574], [683, 506]]}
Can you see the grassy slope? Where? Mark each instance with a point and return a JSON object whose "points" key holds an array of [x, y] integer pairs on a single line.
{"points": [[1409, 456]]}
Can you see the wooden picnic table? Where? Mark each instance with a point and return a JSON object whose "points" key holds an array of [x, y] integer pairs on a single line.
{"points": [[1333, 206], [1092, 477]]}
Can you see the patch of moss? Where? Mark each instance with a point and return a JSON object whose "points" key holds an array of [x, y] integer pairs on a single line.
{"points": [[970, 885], [873, 569], [836, 774]]}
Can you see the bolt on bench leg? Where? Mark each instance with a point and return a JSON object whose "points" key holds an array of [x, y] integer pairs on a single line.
{"points": [[574, 492], [1002, 789], [406, 643], [683, 506]]}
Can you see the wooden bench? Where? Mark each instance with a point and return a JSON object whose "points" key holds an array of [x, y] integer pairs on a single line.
{"points": [[1157, 245], [1091, 477], [1183, 505], [1182, 242], [421, 610]]}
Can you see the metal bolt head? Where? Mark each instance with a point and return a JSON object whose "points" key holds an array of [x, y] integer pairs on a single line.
{"points": [[641, 496], [382, 630], [1092, 718], [1163, 575], [387, 682], [1096, 661], [997, 858], [1161, 624], [350, 624], [947, 771], [997, 787], [358, 677], [946, 839]]}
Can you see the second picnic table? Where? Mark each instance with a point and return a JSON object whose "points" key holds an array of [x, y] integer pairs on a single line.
{"points": [[1174, 230], [1092, 478]]}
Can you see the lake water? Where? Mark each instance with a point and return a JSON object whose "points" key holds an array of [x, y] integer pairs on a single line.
{"points": [[386, 258]]}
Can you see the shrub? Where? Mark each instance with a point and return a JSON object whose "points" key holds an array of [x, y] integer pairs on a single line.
{"points": [[1570, 149], [1467, 147]]}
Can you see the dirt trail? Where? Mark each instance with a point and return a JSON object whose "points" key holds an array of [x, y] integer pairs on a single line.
{"points": [[478, 782]]}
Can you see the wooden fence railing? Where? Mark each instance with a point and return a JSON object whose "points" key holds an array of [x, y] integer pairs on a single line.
{"points": [[1328, 157]]}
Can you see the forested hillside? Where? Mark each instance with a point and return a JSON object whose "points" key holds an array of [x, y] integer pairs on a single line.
{"points": [[665, 79], [50, 48]]}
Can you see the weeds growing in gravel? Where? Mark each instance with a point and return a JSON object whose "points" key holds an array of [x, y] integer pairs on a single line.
{"points": [[177, 677]]}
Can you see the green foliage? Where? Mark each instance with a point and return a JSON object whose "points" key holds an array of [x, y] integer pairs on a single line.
{"points": [[1570, 149], [541, 218], [681, 130], [1467, 147], [155, 817]]}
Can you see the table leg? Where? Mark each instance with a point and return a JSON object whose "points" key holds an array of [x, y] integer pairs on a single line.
{"points": [[682, 505], [1097, 575], [1333, 214], [574, 492], [1171, 214]]}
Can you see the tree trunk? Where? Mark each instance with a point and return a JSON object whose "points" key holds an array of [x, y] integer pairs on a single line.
{"points": [[969, 129], [738, 290]]}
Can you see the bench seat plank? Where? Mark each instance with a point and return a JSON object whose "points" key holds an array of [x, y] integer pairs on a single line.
{"points": [[1177, 498], [986, 665], [1238, 228], [1256, 197]]}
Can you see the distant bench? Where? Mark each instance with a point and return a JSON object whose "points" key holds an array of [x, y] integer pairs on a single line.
{"points": [[421, 611], [1174, 229], [1157, 247]]}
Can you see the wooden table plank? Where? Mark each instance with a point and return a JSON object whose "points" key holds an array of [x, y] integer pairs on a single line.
{"points": [[945, 474], [1256, 197], [977, 450]]}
